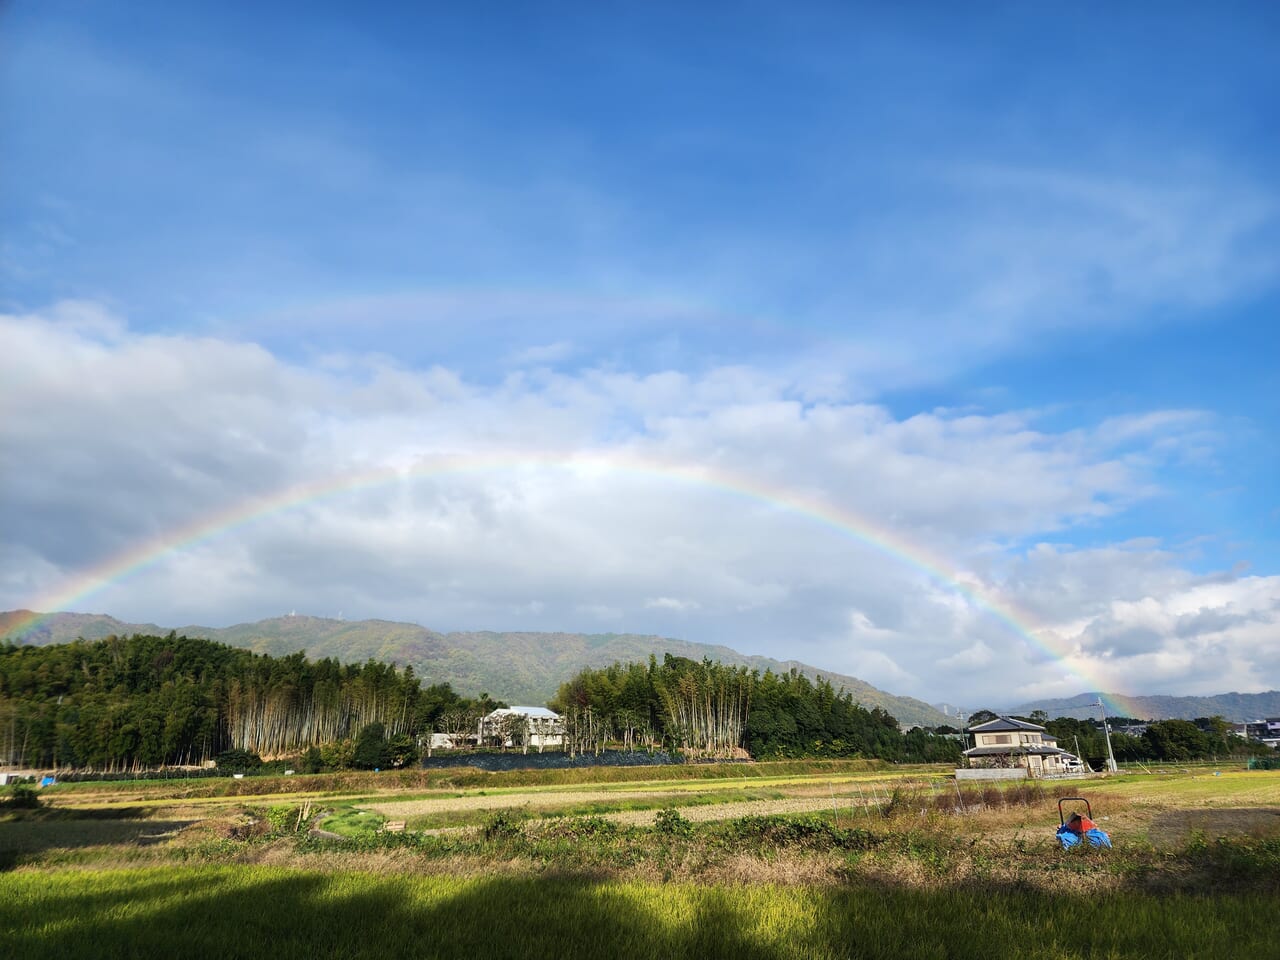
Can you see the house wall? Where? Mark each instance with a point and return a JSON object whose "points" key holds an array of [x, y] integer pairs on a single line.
{"points": [[1013, 738], [992, 773]]}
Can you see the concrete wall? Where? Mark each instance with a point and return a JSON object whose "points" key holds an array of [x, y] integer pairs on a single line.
{"points": [[992, 773]]}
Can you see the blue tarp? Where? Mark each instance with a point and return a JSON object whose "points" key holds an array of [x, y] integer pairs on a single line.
{"points": [[1098, 838], [1095, 838]]}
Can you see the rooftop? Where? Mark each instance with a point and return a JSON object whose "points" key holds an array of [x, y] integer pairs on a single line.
{"points": [[541, 712], [1041, 749], [1004, 723]]}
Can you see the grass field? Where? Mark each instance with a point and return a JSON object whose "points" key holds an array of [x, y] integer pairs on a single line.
{"points": [[265, 911], [771, 861]]}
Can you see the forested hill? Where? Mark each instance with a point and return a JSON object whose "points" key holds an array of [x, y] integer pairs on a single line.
{"points": [[1236, 707], [515, 667], [146, 701]]}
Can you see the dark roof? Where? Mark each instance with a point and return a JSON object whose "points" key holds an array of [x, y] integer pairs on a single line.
{"points": [[1040, 749], [1004, 723]]}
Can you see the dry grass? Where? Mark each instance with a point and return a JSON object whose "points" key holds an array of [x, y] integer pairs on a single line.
{"points": [[926, 835]]}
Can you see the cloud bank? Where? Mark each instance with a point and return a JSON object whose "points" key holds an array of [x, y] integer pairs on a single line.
{"points": [[115, 438]]}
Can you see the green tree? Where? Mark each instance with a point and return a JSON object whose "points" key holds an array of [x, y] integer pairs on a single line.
{"points": [[371, 747], [1176, 740]]}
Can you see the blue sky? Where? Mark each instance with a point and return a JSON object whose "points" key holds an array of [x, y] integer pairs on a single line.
{"points": [[996, 238]]}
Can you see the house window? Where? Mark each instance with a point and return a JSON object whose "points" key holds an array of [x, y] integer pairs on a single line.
{"points": [[1002, 739]]}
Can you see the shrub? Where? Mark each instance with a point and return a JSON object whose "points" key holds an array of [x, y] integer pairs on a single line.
{"points": [[337, 756], [503, 825], [782, 831], [287, 818], [579, 828], [22, 798], [312, 761], [237, 761], [670, 823], [898, 802]]}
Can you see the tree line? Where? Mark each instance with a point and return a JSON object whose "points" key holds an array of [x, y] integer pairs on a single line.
{"points": [[710, 709], [146, 701]]}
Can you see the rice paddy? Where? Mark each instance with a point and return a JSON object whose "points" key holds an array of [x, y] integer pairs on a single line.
{"points": [[835, 863]]}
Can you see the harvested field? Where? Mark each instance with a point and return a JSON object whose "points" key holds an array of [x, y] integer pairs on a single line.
{"points": [[806, 865]]}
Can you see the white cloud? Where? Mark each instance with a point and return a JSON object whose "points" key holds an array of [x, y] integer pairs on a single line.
{"points": [[671, 603], [542, 354], [714, 506], [973, 657]]}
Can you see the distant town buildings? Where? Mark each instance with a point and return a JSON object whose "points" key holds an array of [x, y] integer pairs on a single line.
{"points": [[1264, 731]]}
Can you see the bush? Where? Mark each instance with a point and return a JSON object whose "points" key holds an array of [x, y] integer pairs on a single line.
{"points": [[237, 761], [503, 825], [812, 832], [401, 751], [312, 761], [782, 831], [579, 828], [337, 756], [22, 798], [287, 818], [670, 823]]}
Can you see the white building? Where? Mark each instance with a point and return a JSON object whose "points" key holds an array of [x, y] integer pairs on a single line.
{"points": [[522, 727]]}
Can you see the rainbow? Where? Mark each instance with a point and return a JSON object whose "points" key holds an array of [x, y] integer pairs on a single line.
{"points": [[153, 551]]}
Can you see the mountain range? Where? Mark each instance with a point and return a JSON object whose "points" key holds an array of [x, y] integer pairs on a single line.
{"points": [[1236, 707], [525, 668], [529, 667]]}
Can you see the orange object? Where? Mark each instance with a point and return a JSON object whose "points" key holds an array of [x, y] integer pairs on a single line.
{"points": [[1079, 824]]}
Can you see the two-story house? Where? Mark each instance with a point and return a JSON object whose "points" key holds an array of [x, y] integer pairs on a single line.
{"points": [[1005, 742]]}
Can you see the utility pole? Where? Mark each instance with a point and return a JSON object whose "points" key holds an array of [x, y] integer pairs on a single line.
{"points": [[1106, 730]]}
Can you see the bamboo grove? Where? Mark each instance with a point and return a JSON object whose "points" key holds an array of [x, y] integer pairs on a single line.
{"points": [[142, 701], [712, 710]]}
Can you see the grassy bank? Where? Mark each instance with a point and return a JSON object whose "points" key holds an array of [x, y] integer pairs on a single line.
{"points": [[258, 911]]}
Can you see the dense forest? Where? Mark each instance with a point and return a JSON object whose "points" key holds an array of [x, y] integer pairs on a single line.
{"points": [[150, 701], [713, 710]]}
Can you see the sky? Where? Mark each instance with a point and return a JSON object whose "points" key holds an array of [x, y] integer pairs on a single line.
{"points": [[933, 344]]}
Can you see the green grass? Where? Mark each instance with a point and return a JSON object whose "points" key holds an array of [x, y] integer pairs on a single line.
{"points": [[347, 821], [230, 912]]}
